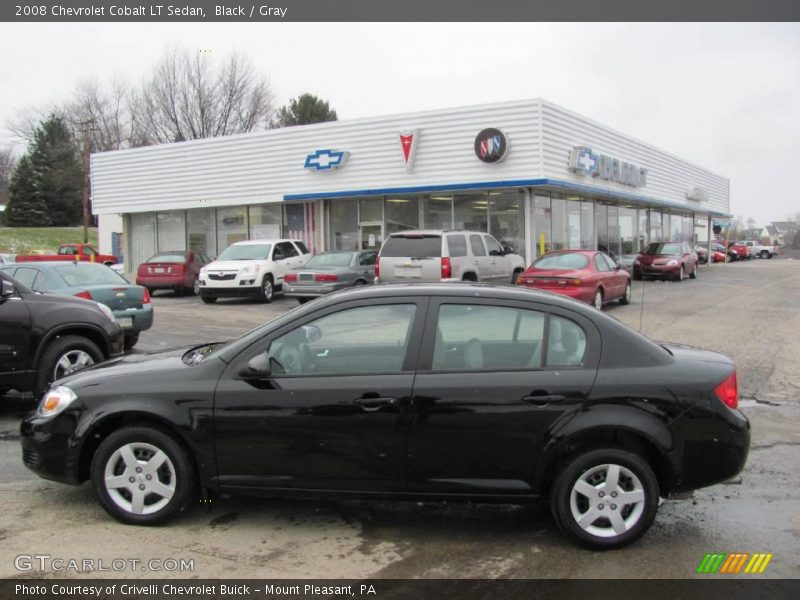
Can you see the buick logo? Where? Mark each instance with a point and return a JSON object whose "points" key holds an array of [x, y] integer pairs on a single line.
{"points": [[491, 145]]}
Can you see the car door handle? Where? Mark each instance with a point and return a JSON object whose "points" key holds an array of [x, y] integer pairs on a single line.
{"points": [[544, 399], [373, 404]]}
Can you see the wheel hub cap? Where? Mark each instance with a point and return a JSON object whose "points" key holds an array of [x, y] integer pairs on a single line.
{"points": [[140, 478], [72, 361], [593, 514]]}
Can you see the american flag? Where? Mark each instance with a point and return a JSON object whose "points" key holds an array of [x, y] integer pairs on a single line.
{"points": [[300, 223]]}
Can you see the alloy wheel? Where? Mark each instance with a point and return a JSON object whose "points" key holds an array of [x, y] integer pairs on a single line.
{"points": [[196, 286], [607, 500], [267, 290], [598, 300], [140, 478], [71, 361], [628, 293]]}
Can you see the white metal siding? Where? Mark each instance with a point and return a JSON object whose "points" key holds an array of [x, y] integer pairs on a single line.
{"points": [[668, 177], [265, 166]]}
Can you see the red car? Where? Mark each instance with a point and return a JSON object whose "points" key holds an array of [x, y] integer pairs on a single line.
{"points": [[666, 259], [737, 251], [177, 270], [717, 252], [586, 275]]}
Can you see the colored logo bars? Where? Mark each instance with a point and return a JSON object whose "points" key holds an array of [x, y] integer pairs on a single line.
{"points": [[731, 564], [408, 144], [491, 145], [325, 160]]}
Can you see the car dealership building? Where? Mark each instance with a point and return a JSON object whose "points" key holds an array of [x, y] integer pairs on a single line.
{"points": [[536, 176]]}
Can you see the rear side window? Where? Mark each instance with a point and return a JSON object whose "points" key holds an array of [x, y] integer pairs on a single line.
{"points": [[566, 343], [367, 259], [476, 245], [457, 245], [412, 246], [26, 276]]}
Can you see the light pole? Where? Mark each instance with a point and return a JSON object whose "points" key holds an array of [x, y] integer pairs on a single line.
{"points": [[85, 127]]}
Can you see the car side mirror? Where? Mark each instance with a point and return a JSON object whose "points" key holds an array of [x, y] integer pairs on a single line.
{"points": [[508, 250], [6, 289], [257, 367]]}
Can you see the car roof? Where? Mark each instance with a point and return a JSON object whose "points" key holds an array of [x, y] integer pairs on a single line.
{"points": [[258, 242], [421, 232], [51, 264], [571, 251]]}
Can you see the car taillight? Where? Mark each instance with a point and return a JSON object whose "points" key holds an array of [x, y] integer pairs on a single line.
{"points": [[447, 269], [290, 277], [377, 267], [522, 280], [325, 277], [146, 298], [728, 391], [575, 282], [85, 295]]}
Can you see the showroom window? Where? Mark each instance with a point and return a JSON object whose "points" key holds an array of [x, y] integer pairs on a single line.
{"points": [[613, 230], [171, 230], [401, 213], [643, 229], [687, 229], [343, 224], [201, 231], [558, 207], [470, 212], [437, 212], [265, 222], [601, 223], [656, 233], [627, 231], [370, 210], [507, 219], [231, 226], [143, 238], [573, 224], [542, 224], [587, 226]]}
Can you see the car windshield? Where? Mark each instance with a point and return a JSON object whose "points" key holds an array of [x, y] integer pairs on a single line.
{"points": [[167, 257], [668, 248], [246, 252], [83, 274], [412, 246], [330, 259], [562, 261]]}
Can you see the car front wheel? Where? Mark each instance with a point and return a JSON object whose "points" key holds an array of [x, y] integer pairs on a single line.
{"points": [[267, 290], [626, 297], [605, 498], [693, 274], [142, 476]]}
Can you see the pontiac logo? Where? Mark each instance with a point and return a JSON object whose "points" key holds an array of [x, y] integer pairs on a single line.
{"points": [[408, 144]]}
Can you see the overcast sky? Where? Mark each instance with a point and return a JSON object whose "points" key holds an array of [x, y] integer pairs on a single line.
{"points": [[725, 96]]}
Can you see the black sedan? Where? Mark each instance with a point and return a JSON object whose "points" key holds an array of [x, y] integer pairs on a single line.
{"points": [[457, 392]]}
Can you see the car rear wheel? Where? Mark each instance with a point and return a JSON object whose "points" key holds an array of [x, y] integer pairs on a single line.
{"points": [[62, 357], [693, 274], [142, 476], [598, 299], [131, 340], [208, 299], [195, 289], [267, 290], [605, 498], [764, 254], [515, 276], [626, 297], [637, 276]]}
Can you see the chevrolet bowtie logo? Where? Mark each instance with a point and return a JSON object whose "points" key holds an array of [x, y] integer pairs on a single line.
{"points": [[325, 160]]}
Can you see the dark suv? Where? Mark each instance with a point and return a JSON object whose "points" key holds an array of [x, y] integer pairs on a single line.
{"points": [[44, 337]]}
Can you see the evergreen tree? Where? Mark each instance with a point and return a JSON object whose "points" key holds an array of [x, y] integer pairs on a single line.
{"points": [[47, 184], [304, 110]]}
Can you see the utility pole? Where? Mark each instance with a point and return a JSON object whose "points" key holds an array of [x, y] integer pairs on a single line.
{"points": [[85, 127]]}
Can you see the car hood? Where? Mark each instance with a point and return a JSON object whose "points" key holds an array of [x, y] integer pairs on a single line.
{"points": [[232, 265]]}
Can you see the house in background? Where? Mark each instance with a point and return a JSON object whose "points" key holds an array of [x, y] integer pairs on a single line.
{"points": [[780, 232]]}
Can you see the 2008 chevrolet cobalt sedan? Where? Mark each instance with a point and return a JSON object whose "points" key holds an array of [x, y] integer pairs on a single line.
{"points": [[458, 392]]}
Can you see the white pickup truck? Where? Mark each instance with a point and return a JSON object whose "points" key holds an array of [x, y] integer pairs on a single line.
{"points": [[756, 250], [254, 268]]}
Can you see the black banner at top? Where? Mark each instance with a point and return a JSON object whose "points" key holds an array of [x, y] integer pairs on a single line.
{"points": [[388, 10]]}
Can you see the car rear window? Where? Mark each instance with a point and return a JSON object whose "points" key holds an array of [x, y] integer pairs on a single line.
{"points": [[75, 275], [330, 259], [167, 258], [671, 249], [562, 261], [412, 246]]}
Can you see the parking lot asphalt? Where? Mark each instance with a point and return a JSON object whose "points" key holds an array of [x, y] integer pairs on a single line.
{"points": [[747, 311]]}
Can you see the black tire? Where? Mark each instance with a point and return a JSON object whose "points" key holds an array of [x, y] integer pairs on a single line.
{"points": [[178, 292], [598, 535], [626, 297], [207, 299], [680, 275], [637, 276], [303, 300], [195, 289], [131, 340], [693, 274], [177, 471], [151, 291], [55, 351], [358, 282], [515, 275], [597, 300], [267, 291]]}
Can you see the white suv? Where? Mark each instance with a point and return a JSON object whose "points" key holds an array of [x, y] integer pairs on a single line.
{"points": [[253, 268]]}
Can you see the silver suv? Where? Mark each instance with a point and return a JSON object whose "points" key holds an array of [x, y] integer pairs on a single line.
{"points": [[446, 255]]}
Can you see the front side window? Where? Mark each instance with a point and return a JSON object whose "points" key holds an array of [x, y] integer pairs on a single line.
{"points": [[284, 250], [367, 259], [600, 263], [26, 276], [67, 250], [494, 247], [355, 341]]}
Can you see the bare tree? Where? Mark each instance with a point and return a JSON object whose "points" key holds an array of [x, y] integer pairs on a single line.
{"points": [[7, 162], [102, 112], [191, 97]]}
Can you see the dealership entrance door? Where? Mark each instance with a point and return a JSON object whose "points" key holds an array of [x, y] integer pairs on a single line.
{"points": [[371, 236]]}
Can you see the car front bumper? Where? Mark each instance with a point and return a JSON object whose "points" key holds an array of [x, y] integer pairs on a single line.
{"points": [[50, 447], [656, 270]]}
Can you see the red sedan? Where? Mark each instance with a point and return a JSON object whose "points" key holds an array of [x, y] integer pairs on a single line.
{"points": [[177, 270], [586, 275]]}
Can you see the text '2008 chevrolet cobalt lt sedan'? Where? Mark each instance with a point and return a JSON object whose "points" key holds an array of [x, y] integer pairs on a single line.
{"points": [[447, 391]]}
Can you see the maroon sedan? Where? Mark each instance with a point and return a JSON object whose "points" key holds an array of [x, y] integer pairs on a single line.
{"points": [[586, 275], [176, 270], [674, 260]]}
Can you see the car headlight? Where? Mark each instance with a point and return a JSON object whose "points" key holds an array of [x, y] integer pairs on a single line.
{"points": [[203, 271], [56, 400], [248, 270], [106, 311], [672, 263], [636, 261]]}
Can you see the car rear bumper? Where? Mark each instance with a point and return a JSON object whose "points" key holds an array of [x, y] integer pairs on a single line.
{"points": [[294, 290], [164, 283], [141, 319], [576, 293]]}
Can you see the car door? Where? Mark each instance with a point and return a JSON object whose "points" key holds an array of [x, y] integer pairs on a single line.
{"points": [[365, 265], [302, 254], [500, 265], [282, 254], [331, 413], [15, 336], [481, 262], [494, 379], [613, 279]]}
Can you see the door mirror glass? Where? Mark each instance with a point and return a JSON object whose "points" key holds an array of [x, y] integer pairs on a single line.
{"points": [[6, 289], [508, 250]]}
